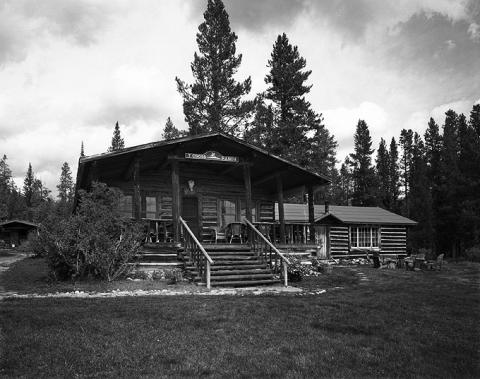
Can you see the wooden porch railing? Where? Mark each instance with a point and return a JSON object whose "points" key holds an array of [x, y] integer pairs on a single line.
{"points": [[267, 251], [196, 252]]}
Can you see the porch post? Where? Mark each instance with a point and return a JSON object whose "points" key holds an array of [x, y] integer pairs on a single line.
{"points": [[311, 214], [175, 200], [248, 191], [137, 201], [281, 212]]}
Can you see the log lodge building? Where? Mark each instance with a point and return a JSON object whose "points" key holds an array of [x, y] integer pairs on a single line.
{"points": [[216, 190]]}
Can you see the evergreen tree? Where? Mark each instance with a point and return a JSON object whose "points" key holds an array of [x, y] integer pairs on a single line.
{"points": [[475, 118], [5, 181], [28, 186], [260, 131], [468, 188], [171, 132], [66, 187], [364, 193], [346, 183], [383, 175], [214, 101], [287, 91], [82, 152], [447, 202], [406, 143], [420, 200], [117, 141], [394, 175]]}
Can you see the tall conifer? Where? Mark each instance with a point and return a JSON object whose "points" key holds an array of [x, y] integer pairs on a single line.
{"points": [[117, 141], [214, 102]]}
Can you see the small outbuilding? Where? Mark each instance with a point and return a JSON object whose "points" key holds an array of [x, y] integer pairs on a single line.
{"points": [[348, 231], [15, 232]]}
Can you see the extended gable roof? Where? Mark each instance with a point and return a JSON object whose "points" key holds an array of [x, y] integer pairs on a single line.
{"points": [[344, 214], [11, 223], [263, 164]]}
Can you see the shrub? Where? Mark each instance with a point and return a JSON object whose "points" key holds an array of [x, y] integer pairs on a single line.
{"points": [[473, 254], [96, 241]]}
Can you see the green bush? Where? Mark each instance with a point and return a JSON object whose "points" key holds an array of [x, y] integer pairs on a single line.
{"points": [[94, 242], [473, 254]]}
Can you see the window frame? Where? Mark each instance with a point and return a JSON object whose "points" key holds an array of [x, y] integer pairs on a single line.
{"points": [[364, 233]]}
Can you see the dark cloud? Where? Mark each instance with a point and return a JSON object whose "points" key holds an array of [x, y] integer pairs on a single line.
{"points": [[22, 22], [439, 49], [349, 18]]}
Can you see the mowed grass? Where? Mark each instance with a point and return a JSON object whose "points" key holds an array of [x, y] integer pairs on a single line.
{"points": [[396, 324]]}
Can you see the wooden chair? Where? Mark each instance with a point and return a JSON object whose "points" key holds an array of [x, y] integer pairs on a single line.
{"points": [[236, 231], [218, 234], [436, 264]]}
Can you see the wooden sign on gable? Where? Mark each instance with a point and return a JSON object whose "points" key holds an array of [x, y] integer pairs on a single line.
{"points": [[212, 156]]}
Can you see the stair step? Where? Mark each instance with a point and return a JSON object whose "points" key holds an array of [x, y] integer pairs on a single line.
{"points": [[262, 271], [233, 253], [155, 254], [241, 277], [245, 283], [226, 247], [235, 257], [152, 264], [237, 267]]}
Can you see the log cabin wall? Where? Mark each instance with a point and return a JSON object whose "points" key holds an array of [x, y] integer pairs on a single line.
{"points": [[393, 240], [210, 187], [339, 240]]}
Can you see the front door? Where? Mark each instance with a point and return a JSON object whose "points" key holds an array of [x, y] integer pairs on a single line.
{"points": [[190, 214], [321, 241]]}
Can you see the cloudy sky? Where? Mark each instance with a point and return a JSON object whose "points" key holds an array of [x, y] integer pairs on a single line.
{"points": [[69, 69]]}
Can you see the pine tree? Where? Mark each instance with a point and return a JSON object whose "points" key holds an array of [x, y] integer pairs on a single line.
{"points": [[171, 132], [447, 202], [117, 141], [406, 143], [213, 102], [383, 175], [420, 200], [5, 181], [66, 188], [469, 181], [364, 193], [259, 132], [28, 185], [287, 91], [394, 175], [346, 183], [82, 151]]}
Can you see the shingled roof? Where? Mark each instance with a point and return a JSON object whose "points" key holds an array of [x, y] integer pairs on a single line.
{"points": [[298, 213]]}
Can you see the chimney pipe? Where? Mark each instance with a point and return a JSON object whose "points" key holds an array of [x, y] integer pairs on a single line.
{"points": [[327, 207]]}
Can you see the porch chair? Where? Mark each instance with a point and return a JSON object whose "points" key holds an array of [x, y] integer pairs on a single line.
{"points": [[218, 234], [436, 264], [236, 231]]}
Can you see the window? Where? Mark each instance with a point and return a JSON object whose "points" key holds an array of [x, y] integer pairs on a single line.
{"points": [[228, 212], [151, 207], [364, 237], [126, 206], [243, 210]]}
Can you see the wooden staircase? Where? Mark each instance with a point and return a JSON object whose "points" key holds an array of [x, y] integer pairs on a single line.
{"points": [[235, 266], [157, 256]]}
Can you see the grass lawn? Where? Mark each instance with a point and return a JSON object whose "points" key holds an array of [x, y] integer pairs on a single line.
{"points": [[395, 324]]}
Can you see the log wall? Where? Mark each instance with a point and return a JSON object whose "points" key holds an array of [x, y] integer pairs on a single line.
{"points": [[393, 240], [339, 241]]}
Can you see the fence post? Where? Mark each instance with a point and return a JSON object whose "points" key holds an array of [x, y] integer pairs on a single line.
{"points": [[208, 274], [285, 273]]}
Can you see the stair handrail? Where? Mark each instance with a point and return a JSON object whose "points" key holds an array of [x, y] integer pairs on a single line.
{"points": [[271, 246], [193, 247]]}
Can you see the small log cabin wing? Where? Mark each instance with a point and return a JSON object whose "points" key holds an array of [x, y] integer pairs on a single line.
{"points": [[15, 232], [209, 181], [349, 231]]}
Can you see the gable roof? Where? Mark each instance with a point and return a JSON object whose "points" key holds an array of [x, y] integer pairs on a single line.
{"points": [[21, 222], [263, 164], [344, 214]]}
